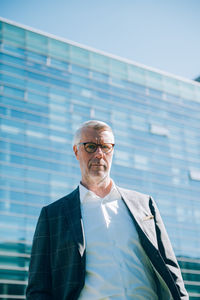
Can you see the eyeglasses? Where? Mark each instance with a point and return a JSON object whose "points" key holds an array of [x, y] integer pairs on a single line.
{"points": [[92, 147]]}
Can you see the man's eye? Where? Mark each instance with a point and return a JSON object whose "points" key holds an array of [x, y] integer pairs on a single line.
{"points": [[91, 146], [105, 147]]}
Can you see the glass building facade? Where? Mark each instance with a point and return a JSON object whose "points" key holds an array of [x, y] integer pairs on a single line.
{"points": [[48, 86]]}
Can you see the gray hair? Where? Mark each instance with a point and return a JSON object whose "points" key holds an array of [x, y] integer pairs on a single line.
{"points": [[94, 124]]}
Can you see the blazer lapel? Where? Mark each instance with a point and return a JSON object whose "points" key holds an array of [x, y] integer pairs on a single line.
{"points": [[141, 214], [72, 211]]}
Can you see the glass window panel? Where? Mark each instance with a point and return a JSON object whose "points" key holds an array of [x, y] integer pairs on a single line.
{"points": [[120, 91], [134, 86], [85, 92], [118, 69], [33, 97], [79, 56], [11, 91], [171, 85], [56, 94], [78, 108], [4, 194], [153, 79], [14, 102], [36, 76], [56, 72], [39, 87], [34, 162], [187, 90], [57, 139], [100, 76], [159, 130], [9, 182], [56, 120], [59, 64], [17, 148], [3, 111], [139, 122], [122, 158], [13, 50], [13, 33], [80, 70], [37, 152], [118, 116], [197, 93], [136, 74], [36, 57], [12, 70], [100, 85], [4, 145], [36, 107], [12, 80], [157, 93], [32, 174], [36, 42], [29, 117], [99, 62], [12, 59], [12, 171], [37, 129], [58, 99], [36, 186], [118, 82], [11, 126], [195, 175], [34, 135], [102, 114], [35, 66], [36, 198], [35, 138], [12, 134], [60, 83], [17, 159], [80, 80], [141, 162], [1, 29], [58, 49], [60, 156]]}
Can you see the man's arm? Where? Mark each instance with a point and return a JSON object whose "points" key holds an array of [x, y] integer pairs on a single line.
{"points": [[39, 281], [167, 252]]}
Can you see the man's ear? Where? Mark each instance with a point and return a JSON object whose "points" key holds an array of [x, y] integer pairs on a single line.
{"points": [[75, 148]]}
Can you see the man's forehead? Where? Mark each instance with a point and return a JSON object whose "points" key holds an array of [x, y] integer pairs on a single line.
{"points": [[91, 132]]}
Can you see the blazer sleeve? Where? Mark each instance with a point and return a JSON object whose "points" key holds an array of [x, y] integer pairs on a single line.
{"points": [[39, 281], [167, 252]]}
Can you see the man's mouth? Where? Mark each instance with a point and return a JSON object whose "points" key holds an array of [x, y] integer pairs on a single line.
{"points": [[96, 164]]}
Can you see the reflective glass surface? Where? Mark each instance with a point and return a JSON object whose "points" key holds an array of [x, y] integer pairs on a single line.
{"points": [[47, 88]]}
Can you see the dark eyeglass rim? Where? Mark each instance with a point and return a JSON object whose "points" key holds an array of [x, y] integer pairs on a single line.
{"points": [[97, 145]]}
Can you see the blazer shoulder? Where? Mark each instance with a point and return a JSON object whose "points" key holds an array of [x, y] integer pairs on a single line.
{"points": [[58, 204], [135, 194]]}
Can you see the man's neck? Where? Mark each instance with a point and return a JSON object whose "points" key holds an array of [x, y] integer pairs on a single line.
{"points": [[101, 188]]}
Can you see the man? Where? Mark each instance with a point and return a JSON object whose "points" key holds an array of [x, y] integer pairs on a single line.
{"points": [[102, 242]]}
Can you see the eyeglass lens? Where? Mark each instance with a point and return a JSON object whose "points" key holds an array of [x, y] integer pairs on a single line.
{"points": [[92, 147]]}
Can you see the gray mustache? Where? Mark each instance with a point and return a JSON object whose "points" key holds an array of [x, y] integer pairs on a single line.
{"points": [[97, 162]]}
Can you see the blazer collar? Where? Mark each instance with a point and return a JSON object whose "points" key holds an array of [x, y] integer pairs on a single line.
{"points": [[72, 212], [137, 204]]}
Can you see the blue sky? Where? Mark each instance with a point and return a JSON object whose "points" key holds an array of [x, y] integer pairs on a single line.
{"points": [[163, 34]]}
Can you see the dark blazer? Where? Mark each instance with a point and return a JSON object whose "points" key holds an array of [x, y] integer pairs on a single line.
{"points": [[57, 265]]}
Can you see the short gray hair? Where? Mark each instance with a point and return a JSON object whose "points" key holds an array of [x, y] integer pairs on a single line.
{"points": [[94, 124]]}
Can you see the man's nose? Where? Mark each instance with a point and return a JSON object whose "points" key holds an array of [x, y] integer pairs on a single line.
{"points": [[98, 152]]}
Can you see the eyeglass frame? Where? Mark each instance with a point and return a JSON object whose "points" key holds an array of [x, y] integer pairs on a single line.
{"points": [[97, 145]]}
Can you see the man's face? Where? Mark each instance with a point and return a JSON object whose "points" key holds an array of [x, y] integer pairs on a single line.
{"points": [[94, 166]]}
